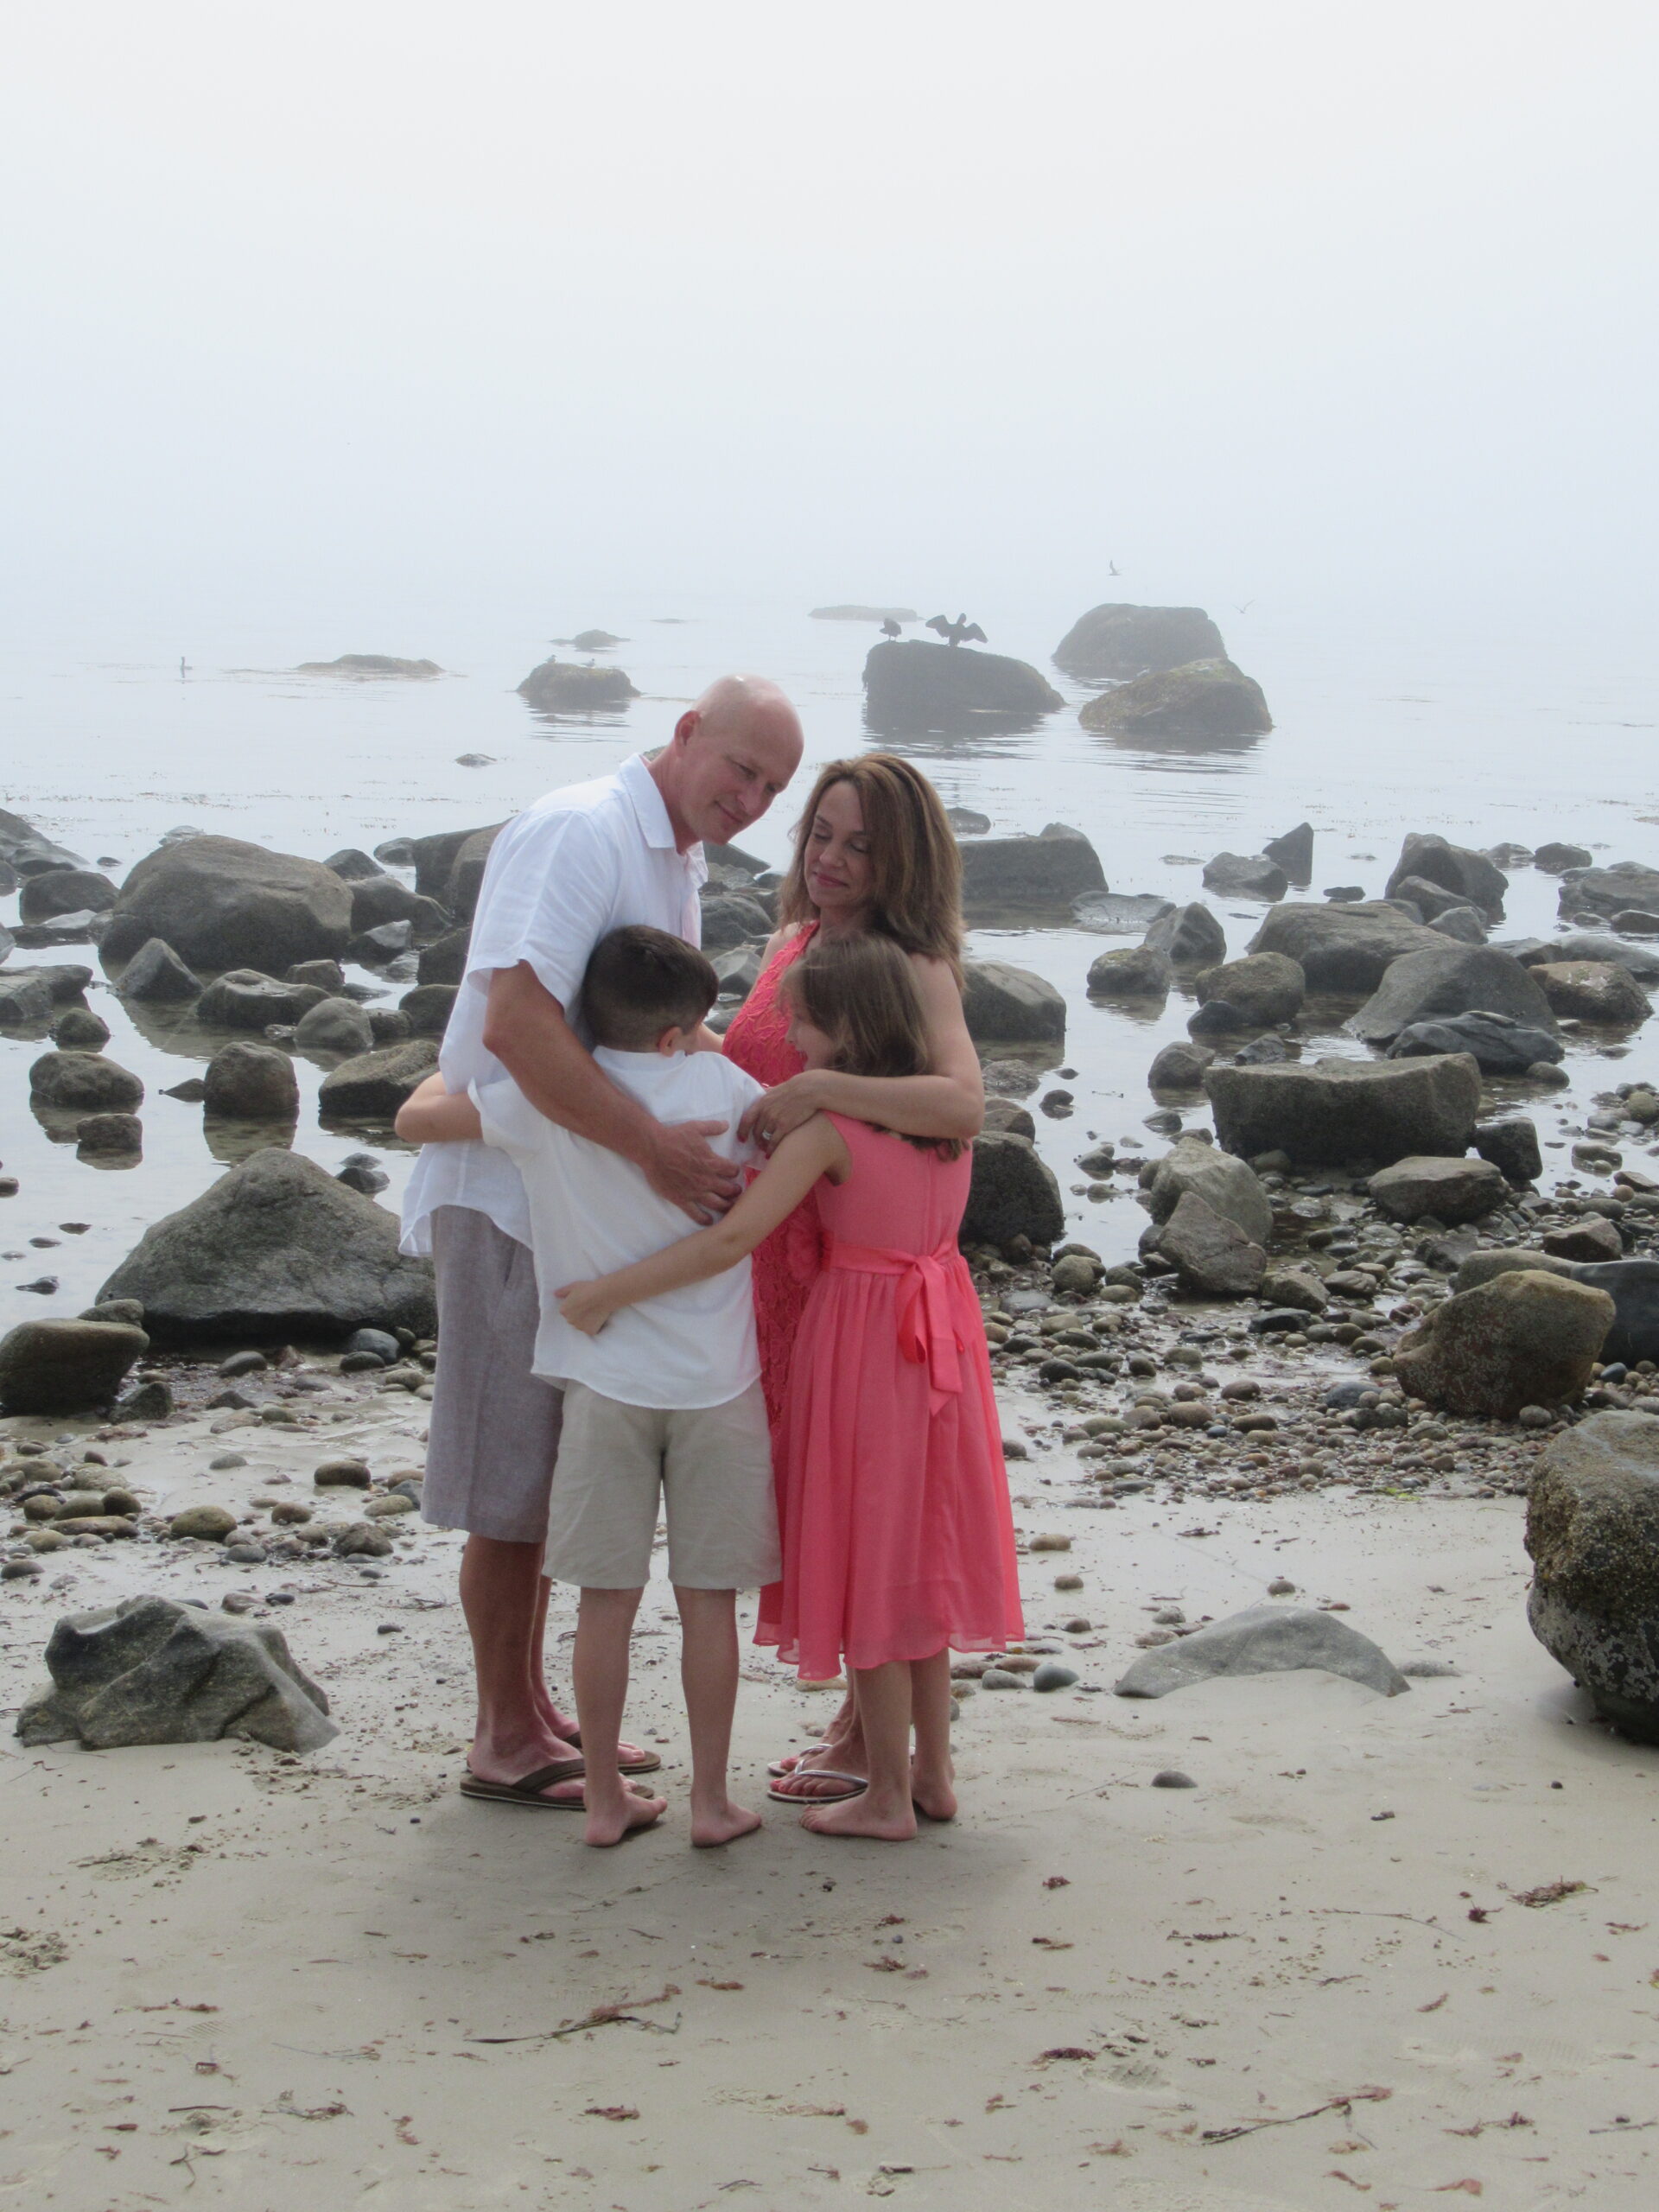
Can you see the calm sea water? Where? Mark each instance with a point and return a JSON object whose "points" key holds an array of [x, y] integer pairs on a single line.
{"points": [[1377, 731]]}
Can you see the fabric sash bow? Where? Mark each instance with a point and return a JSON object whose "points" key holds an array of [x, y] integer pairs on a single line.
{"points": [[926, 1330]]}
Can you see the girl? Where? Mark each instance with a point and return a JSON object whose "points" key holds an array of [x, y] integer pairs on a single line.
{"points": [[898, 1535]]}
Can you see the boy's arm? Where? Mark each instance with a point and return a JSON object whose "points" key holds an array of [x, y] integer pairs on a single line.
{"points": [[432, 1114], [800, 1159]]}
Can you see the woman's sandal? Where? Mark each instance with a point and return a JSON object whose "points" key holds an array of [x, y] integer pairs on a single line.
{"points": [[790, 1761], [854, 1785]]}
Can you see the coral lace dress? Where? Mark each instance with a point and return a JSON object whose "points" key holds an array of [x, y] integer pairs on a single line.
{"points": [[899, 1536]]}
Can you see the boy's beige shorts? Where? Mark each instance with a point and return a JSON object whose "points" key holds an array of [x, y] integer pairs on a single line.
{"points": [[710, 1466]]}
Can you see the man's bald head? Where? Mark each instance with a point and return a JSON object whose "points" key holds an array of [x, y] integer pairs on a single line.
{"points": [[731, 753]]}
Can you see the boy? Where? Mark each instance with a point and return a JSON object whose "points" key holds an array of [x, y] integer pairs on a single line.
{"points": [[665, 1401]]}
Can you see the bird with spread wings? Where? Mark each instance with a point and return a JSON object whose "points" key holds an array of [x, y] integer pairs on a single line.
{"points": [[959, 632]]}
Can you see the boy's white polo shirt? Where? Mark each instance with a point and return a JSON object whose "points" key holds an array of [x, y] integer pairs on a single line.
{"points": [[591, 1211]]}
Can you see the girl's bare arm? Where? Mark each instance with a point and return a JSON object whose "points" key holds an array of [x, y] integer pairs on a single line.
{"points": [[432, 1114]]}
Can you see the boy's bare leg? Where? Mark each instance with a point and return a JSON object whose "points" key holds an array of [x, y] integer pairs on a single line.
{"points": [[502, 1595], [885, 1810], [933, 1771], [708, 1666], [598, 1670]]}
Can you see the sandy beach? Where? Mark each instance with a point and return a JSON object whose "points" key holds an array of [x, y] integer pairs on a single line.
{"points": [[237, 1977]]}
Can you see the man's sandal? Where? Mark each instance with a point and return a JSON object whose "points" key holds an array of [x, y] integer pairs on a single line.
{"points": [[852, 1785], [527, 1790]]}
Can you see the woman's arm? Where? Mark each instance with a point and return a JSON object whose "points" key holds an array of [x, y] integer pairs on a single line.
{"points": [[432, 1114], [813, 1150], [948, 1103]]}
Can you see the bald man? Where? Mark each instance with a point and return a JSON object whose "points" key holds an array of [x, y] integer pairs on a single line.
{"points": [[581, 862]]}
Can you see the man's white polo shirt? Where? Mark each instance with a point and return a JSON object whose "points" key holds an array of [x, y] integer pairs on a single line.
{"points": [[581, 862], [591, 1211]]}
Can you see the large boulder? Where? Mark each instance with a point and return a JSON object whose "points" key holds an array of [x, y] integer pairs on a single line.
{"points": [[86, 1082], [151, 1670], [1294, 852], [1609, 891], [1451, 979], [1119, 641], [565, 687], [912, 684], [1593, 1530], [1014, 1193], [1332, 1111], [1225, 1184], [1265, 987], [434, 858], [1040, 874], [276, 1249], [372, 1086], [1134, 971], [156, 976], [250, 1083], [731, 918], [1004, 1005], [1499, 1044], [444, 961], [1641, 960], [1432, 900], [64, 890], [223, 903], [1205, 701], [25, 998], [378, 899], [1633, 1286], [1452, 1191], [1190, 934], [66, 1367], [1525, 1338], [1245, 875], [360, 665], [245, 998], [1592, 990], [1211, 1255], [429, 1006], [1263, 1640], [1344, 949], [28, 851], [1468, 875], [1555, 858], [465, 877]]}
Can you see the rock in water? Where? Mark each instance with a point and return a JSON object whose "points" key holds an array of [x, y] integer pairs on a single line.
{"points": [[445, 961], [1190, 934], [1007, 1114], [1512, 1148], [1608, 891], [1295, 853], [80, 1030], [334, 1025], [1203, 702], [1497, 1044], [1004, 1005], [434, 857], [250, 1083], [372, 1087], [25, 998], [912, 684], [1592, 990], [1211, 1255], [1591, 1240], [64, 890], [155, 976], [1036, 875], [368, 665], [429, 1006], [730, 918], [1119, 641], [110, 1138], [1264, 1640], [1464, 923], [563, 687], [1442, 979], [1555, 858], [1180, 1067], [1121, 913], [1014, 1193], [1468, 875], [466, 875], [1633, 1286], [245, 998], [1641, 960], [1265, 987], [1224, 1183], [66, 1367], [1452, 1190], [85, 1081], [223, 903], [1524, 1339], [150, 1670], [29, 850], [1344, 949], [1136, 971], [353, 864], [276, 1249], [1334, 1111], [1241, 875], [1593, 1530]]}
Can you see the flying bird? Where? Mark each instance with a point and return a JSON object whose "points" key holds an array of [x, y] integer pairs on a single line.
{"points": [[890, 628], [957, 632], [1245, 607], [1114, 568]]}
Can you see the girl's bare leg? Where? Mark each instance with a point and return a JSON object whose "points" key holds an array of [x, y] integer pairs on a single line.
{"points": [[932, 1771], [885, 1811]]}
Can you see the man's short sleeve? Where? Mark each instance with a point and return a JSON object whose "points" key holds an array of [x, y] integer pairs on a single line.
{"points": [[548, 902]]}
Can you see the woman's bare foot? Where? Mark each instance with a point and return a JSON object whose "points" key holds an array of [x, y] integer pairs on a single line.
{"points": [[614, 1817], [882, 1821], [721, 1821]]}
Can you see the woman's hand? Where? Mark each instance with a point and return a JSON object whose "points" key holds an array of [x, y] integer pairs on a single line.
{"points": [[585, 1307], [782, 1110]]}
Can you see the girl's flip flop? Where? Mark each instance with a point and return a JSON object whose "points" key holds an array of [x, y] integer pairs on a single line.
{"points": [[852, 1785], [790, 1760]]}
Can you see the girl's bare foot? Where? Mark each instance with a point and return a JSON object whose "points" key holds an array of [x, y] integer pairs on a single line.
{"points": [[931, 1793], [722, 1821], [613, 1818], [882, 1822]]}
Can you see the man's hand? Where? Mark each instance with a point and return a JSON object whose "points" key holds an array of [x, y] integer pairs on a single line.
{"points": [[583, 1305], [683, 1170], [770, 1119]]}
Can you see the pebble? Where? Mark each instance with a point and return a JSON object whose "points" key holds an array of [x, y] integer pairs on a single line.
{"points": [[1171, 1777], [1279, 1588], [1077, 1625], [238, 1601], [1051, 1675], [1068, 1582], [247, 1553], [19, 1570], [215, 1522], [342, 1474], [224, 1461], [1049, 1541], [998, 1678]]}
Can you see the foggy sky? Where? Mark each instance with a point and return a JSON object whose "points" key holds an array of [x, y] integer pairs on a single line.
{"points": [[1327, 300]]}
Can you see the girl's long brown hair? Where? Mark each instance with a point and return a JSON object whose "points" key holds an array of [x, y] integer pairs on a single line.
{"points": [[914, 857], [861, 991]]}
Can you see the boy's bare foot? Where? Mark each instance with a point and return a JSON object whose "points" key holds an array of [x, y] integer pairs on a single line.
{"points": [[721, 1822], [859, 1816], [614, 1818]]}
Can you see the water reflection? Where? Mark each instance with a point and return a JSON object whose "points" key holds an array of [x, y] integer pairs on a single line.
{"points": [[961, 735], [232, 1142]]}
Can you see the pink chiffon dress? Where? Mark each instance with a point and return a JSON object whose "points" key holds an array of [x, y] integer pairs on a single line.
{"points": [[898, 1532]]}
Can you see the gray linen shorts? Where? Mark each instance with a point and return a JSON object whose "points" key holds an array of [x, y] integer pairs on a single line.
{"points": [[494, 1432], [711, 1465]]}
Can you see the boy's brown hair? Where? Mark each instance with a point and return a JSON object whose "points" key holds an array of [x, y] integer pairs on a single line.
{"points": [[861, 991], [640, 982]]}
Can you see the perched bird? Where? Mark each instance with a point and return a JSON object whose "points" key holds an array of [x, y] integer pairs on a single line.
{"points": [[890, 628], [955, 633], [1113, 566], [183, 668]]}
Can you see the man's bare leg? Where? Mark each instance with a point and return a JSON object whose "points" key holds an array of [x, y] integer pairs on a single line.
{"points": [[708, 1666], [502, 1595], [562, 1724], [884, 1811], [598, 1670]]}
